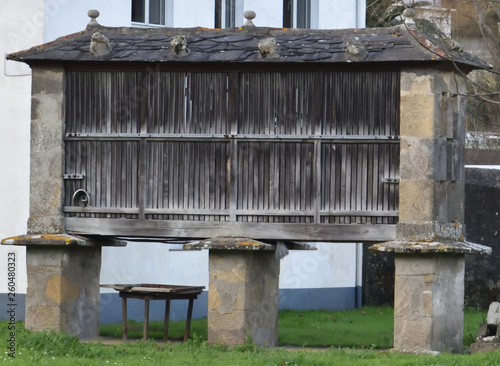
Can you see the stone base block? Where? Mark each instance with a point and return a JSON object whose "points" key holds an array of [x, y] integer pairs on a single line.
{"points": [[63, 289], [243, 297], [482, 347], [428, 304]]}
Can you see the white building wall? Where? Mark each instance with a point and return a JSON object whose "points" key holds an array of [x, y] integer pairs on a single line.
{"points": [[64, 17], [337, 14], [153, 263], [25, 23], [19, 30], [193, 13], [269, 13], [331, 265]]}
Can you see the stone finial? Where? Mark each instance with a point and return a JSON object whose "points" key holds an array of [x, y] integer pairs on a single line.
{"points": [[268, 48], [93, 14], [355, 50], [408, 15], [249, 15], [99, 45], [454, 45], [179, 47]]}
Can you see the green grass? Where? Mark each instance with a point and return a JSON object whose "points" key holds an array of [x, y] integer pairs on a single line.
{"points": [[175, 331], [370, 327], [361, 330]]}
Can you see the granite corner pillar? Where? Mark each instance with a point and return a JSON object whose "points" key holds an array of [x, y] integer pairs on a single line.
{"points": [[430, 237]]}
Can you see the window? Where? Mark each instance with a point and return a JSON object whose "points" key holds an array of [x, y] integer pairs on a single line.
{"points": [[228, 13], [150, 12], [297, 13]]}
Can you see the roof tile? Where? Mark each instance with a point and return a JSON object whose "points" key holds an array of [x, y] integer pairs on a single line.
{"points": [[395, 44]]}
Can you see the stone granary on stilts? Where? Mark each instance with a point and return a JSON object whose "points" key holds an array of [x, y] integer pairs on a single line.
{"points": [[249, 139]]}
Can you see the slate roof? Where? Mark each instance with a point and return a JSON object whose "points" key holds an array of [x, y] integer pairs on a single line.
{"points": [[395, 44]]}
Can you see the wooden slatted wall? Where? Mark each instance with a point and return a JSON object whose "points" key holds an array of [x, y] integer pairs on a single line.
{"points": [[286, 147]]}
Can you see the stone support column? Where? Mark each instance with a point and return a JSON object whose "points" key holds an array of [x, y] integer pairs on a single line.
{"points": [[432, 178], [63, 290], [428, 302], [63, 283], [243, 297], [430, 243], [243, 291], [47, 152]]}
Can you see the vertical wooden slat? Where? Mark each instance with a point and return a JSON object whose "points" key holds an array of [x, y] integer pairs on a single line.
{"points": [[270, 176], [142, 157], [317, 181], [364, 180], [233, 118]]}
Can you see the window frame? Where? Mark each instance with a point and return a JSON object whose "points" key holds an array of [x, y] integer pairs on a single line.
{"points": [[307, 21], [228, 13], [168, 8]]}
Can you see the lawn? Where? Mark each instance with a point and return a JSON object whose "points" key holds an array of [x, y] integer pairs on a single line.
{"points": [[356, 337], [370, 327]]}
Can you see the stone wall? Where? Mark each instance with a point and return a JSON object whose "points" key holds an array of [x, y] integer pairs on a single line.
{"points": [[482, 219], [378, 278], [482, 156]]}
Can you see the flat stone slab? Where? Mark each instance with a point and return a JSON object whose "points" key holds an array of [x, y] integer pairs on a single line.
{"points": [[60, 240], [233, 243], [430, 247], [481, 346]]}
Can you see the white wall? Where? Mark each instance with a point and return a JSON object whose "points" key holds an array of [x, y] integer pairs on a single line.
{"points": [[21, 27], [64, 17], [336, 14], [153, 263], [269, 13], [331, 265], [194, 13]]}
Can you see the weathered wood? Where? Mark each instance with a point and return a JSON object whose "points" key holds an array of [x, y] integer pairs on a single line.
{"points": [[239, 212], [241, 147], [256, 230]]}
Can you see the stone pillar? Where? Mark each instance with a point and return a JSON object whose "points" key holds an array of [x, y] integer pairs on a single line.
{"points": [[432, 179], [428, 303], [430, 243], [243, 297], [47, 152], [63, 289], [429, 294], [63, 283], [243, 291]]}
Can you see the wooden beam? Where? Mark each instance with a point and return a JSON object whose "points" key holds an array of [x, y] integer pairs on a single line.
{"points": [[208, 229]]}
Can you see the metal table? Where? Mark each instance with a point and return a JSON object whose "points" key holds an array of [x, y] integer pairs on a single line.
{"points": [[149, 292]]}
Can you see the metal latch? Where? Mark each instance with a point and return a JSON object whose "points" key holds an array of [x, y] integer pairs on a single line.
{"points": [[390, 180], [73, 176]]}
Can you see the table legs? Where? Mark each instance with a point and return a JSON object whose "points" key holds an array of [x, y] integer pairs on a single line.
{"points": [[124, 318], [167, 319], [188, 319], [146, 319]]}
